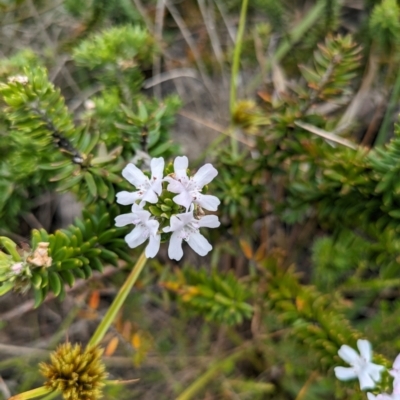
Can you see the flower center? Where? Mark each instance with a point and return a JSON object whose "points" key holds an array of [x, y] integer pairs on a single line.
{"points": [[359, 365]]}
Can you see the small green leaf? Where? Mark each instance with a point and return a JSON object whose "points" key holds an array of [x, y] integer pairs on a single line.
{"points": [[90, 184]]}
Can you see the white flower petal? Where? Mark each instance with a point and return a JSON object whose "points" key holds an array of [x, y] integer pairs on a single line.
{"points": [[348, 354], [173, 224], [153, 246], [209, 221], [156, 186], [205, 175], [371, 396], [142, 215], [344, 374], [208, 202], [134, 175], [149, 197], [157, 168], [365, 349], [187, 217], [152, 225], [199, 244], [381, 396], [366, 382], [396, 386], [124, 219], [180, 166], [126, 198], [136, 237], [374, 370], [183, 199], [396, 364], [174, 186], [175, 251]]}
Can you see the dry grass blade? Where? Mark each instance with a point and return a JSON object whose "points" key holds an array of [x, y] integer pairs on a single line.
{"points": [[4, 389], [210, 26], [158, 29], [350, 115], [326, 135], [173, 74], [230, 27], [138, 4], [192, 45]]}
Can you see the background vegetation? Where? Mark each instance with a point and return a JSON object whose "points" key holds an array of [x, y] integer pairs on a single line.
{"points": [[297, 111]]}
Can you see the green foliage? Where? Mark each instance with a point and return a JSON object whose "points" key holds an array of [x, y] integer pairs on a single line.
{"points": [[45, 147], [46, 150], [284, 179], [216, 297], [284, 148], [125, 46], [336, 259], [74, 253], [385, 25], [334, 65], [239, 188], [275, 11], [317, 320]]}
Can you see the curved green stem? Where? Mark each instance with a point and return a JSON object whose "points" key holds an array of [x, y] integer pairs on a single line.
{"points": [[51, 396], [214, 369], [31, 394], [235, 67], [118, 302]]}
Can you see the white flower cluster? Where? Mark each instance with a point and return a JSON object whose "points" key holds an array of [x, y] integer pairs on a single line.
{"points": [[189, 200], [366, 371]]}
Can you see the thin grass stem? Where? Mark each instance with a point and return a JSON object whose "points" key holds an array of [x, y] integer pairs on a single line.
{"points": [[215, 368], [235, 69], [112, 312]]}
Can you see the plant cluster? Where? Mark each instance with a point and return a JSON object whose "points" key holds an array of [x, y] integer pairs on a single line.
{"points": [[292, 163]]}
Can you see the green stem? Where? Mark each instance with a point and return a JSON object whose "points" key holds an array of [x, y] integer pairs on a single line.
{"points": [[31, 394], [118, 302], [235, 67], [215, 369], [51, 396]]}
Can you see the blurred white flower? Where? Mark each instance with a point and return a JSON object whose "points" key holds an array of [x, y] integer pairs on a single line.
{"points": [[146, 228], [395, 372], [89, 104], [383, 396], [148, 189], [362, 368], [186, 227], [189, 189]]}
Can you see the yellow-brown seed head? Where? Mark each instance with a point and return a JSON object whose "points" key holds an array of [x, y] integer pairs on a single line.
{"points": [[78, 374]]}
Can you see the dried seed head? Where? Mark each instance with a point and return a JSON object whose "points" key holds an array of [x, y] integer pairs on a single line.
{"points": [[78, 374], [40, 257]]}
